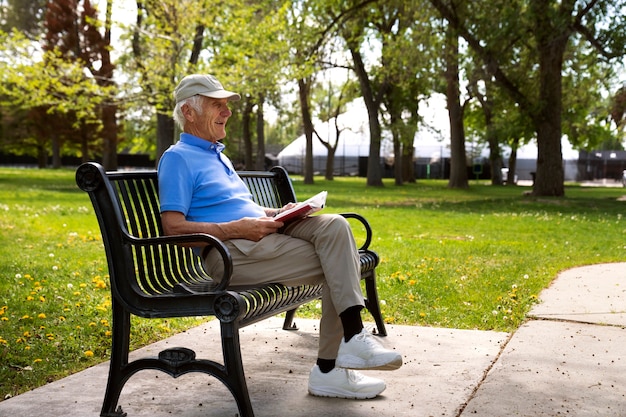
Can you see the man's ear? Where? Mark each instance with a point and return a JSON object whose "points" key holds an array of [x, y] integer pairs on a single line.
{"points": [[187, 112]]}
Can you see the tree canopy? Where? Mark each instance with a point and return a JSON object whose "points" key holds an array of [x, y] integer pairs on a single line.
{"points": [[535, 70]]}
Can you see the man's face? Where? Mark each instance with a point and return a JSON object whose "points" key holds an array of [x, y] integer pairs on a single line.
{"points": [[211, 123]]}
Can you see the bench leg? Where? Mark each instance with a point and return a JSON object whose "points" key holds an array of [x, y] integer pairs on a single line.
{"points": [[372, 303], [119, 359], [288, 323], [233, 363]]}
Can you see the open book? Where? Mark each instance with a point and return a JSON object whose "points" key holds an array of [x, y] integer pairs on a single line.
{"points": [[313, 204]]}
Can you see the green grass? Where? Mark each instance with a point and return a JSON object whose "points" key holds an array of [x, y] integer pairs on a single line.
{"points": [[477, 258], [470, 259]]}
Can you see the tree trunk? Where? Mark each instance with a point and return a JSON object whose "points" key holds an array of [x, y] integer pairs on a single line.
{"points": [[398, 161], [395, 124], [56, 152], [109, 135], [495, 159], [330, 165], [247, 134], [109, 110], [510, 179], [42, 156], [331, 150], [165, 133], [551, 43], [408, 170], [408, 147], [260, 135], [374, 175], [303, 93], [458, 162]]}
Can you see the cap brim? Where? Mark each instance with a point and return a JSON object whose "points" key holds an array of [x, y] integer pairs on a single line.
{"points": [[222, 94]]}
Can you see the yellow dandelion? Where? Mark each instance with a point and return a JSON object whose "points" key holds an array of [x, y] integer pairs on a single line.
{"points": [[37, 360], [88, 353], [5, 319], [41, 316], [422, 314], [42, 299], [92, 324], [61, 318], [3, 341], [108, 333], [30, 298], [26, 347], [26, 334]]}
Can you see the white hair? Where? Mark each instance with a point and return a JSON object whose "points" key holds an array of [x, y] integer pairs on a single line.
{"points": [[195, 102]]}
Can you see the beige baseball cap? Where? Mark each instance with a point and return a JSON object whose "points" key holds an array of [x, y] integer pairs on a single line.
{"points": [[204, 85]]}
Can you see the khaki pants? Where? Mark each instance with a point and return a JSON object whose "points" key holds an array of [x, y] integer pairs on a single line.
{"points": [[319, 249]]}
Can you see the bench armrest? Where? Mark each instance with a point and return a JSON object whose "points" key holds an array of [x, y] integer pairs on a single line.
{"points": [[192, 238], [366, 225]]}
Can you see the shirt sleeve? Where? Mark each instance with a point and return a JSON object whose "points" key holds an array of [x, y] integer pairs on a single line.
{"points": [[175, 183]]}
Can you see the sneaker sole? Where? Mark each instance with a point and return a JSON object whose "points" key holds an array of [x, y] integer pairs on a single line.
{"points": [[320, 392], [354, 362]]}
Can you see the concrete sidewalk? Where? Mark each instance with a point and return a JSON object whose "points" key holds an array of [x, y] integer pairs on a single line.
{"points": [[568, 359]]}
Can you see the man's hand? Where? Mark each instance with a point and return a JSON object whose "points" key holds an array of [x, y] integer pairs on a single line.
{"points": [[255, 229]]}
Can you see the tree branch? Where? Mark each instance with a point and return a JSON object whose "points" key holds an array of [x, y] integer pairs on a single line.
{"points": [[491, 63]]}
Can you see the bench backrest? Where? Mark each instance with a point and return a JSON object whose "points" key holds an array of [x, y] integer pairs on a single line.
{"points": [[126, 204]]}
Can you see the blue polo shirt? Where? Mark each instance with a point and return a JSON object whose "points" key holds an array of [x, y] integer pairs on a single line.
{"points": [[196, 179]]}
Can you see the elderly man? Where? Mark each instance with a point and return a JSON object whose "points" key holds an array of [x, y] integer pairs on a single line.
{"points": [[200, 192]]}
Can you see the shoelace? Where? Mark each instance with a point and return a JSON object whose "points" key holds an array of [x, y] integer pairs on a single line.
{"points": [[353, 376], [367, 338]]}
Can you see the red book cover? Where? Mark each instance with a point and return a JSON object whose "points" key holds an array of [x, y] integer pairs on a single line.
{"points": [[310, 206]]}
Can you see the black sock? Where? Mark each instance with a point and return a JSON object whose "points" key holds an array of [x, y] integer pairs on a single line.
{"points": [[351, 320], [326, 365]]}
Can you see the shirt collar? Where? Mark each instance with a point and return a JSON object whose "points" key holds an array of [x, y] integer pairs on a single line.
{"points": [[192, 140]]}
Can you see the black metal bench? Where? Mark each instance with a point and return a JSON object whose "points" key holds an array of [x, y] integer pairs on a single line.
{"points": [[153, 276]]}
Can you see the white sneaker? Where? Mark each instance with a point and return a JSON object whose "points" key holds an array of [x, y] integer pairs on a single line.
{"points": [[363, 351], [344, 383]]}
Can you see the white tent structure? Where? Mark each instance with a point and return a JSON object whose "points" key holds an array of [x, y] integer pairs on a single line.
{"points": [[354, 141], [527, 160], [432, 144]]}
